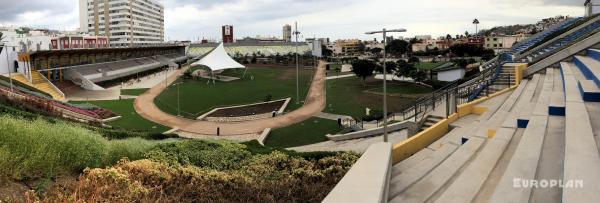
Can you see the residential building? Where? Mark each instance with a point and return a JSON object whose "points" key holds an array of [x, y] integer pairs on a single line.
{"points": [[424, 45], [78, 42], [287, 33], [124, 22], [423, 37], [17, 40], [502, 43], [227, 33], [592, 7], [471, 40], [348, 46]]}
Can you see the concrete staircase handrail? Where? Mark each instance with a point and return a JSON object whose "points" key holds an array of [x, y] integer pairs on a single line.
{"points": [[563, 54], [520, 56], [368, 180], [411, 126], [52, 85]]}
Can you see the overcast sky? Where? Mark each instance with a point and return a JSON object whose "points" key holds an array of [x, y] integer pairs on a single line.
{"points": [[190, 19]]}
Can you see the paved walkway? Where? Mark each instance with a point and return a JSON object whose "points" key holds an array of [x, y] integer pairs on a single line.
{"points": [[315, 103]]}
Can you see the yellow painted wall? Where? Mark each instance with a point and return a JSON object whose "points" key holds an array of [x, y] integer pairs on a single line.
{"points": [[423, 139], [519, 67]]}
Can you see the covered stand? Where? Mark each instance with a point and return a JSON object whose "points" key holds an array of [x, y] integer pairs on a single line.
{"points": [[218, 60]]}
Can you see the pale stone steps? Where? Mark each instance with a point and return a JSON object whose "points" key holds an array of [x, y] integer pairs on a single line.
{"points": [[428, 185], [406, 178], [582, 161], [557, 100], [530, 95], [523, 164], [467, 185], [411, 161]]}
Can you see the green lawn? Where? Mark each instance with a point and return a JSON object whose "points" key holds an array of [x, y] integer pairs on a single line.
{"points": [[307, 132], [133, 92], [428, 65], [348, 96], [408, 88], [129, 118], [198, 97]]}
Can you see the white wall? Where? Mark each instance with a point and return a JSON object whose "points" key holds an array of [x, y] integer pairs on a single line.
{"points": [[451, 75], [83, 16], [12, 57]]}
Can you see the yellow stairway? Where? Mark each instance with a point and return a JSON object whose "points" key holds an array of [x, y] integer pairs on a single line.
{"points": [[38, 83]]}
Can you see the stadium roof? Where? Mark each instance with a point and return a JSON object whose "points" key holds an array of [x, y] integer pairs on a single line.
{"points": [[218, 59]]}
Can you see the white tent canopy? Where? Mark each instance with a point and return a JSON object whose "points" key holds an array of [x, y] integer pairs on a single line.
{"points": [[218, 59]]}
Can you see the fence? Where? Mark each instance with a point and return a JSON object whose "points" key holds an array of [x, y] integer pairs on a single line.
{"points": [[454, 94]]}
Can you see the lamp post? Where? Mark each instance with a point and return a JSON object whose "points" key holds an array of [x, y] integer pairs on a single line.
{"points": [[385, 116], [178, 106], [296, 32]]}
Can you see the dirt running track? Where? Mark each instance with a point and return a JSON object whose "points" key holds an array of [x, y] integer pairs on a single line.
{"points": [[315, 103]]}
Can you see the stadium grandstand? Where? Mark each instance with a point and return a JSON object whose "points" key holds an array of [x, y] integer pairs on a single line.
{"points": [[525, 129], [52, 71], [235, 49]]}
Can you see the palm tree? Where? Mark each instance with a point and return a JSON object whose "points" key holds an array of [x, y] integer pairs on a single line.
{"points": [[476, 22]]}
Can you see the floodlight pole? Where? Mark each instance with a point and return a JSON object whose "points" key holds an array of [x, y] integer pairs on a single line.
{"points": [[178, 96], [297, 66], [385, 116]]}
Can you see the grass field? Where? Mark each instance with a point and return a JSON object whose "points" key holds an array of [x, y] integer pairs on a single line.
{"points": [[307, 132], [130, 119], [428, 65], [198, 97], [133, 92], [348, 96], [408, 88]]}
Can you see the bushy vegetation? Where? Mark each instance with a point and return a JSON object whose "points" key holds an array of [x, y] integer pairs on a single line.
{"points": [[207, 171], [42, 149], [37, 148], [109, 133]]}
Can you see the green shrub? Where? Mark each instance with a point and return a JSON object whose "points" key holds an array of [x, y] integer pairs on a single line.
{"points": [[274, 177], [109, 133], [213, 155], [38, 148]]}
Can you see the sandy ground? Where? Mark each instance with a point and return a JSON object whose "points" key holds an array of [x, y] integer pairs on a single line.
{"points": [[315, 103]]}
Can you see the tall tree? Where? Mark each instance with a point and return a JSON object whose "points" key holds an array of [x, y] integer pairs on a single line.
{"points": [[376, 50], [390, 67], [476, 23], [418, 75], [404, 68], [397, 47], [363, 69]]}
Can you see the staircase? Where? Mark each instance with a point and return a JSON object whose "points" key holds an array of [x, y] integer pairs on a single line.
{"points": [[38, 82], [430, 121]]}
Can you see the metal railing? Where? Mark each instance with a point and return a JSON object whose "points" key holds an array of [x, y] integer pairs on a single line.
{"points": [[455, 93]]}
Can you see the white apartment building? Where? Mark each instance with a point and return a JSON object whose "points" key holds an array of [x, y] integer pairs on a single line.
{"points": [[124, 22], [502, 43]]}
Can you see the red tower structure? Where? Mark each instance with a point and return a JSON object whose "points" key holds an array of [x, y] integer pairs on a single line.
{"points": [[227, 31]]}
